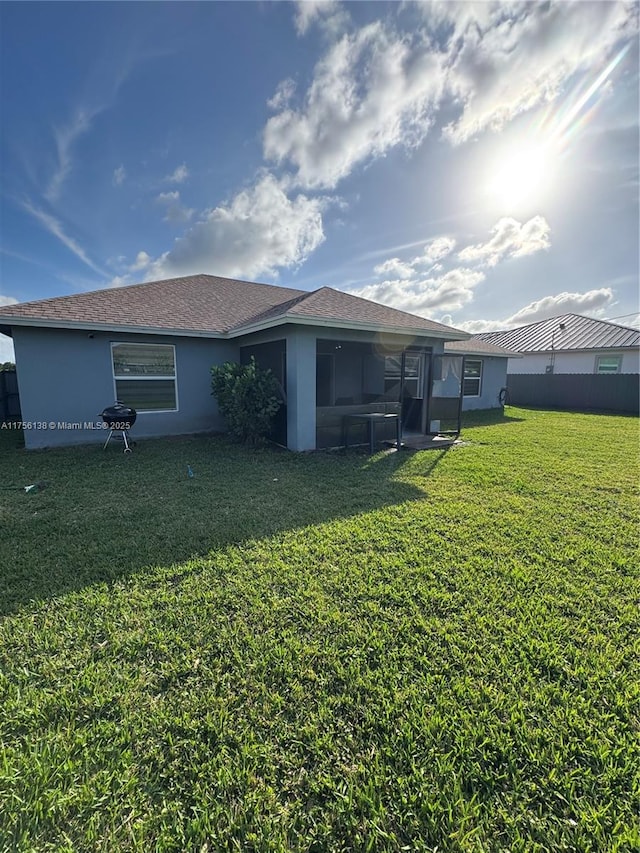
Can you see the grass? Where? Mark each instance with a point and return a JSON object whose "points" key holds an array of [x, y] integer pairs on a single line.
{"points": [[326, 652]]}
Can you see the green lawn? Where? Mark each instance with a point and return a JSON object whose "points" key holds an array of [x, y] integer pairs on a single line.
{"points": [[324, 652]]}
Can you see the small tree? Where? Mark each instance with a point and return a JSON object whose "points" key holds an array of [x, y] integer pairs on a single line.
{"points": [[248, 397]]}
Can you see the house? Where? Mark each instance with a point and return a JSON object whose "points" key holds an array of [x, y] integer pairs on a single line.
{"points": [[152, 345], [485, 372], [573, 362]]}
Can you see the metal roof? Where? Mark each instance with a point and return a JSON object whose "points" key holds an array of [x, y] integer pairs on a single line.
{"points": [[566, 332], [475, 346]]}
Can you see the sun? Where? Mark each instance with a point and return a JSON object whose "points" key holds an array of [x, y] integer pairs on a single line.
{"points": [[521, 177]]}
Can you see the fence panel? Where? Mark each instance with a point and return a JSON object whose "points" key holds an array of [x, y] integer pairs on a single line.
{"points": [[9, 398], [576, 391]]}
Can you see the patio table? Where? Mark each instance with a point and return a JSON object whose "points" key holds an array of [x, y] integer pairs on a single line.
{"points": [[372, 418]]}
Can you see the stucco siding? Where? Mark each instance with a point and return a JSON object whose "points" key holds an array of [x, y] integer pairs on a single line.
{"points": [[494, 377], [301, 389], [65, 377], [573, 362]]}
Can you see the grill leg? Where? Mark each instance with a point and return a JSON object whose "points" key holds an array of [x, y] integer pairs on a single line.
{"points": [[108, 439], [127, 449]]}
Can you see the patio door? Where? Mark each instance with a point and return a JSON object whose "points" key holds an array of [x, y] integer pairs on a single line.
{"points": [[445, 398], [413, 373]]}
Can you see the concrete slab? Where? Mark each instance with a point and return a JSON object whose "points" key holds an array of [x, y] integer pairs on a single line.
{"points": [[429, 442]]}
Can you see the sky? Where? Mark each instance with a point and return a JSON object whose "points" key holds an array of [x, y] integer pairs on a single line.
{"points": [[474, 163]]}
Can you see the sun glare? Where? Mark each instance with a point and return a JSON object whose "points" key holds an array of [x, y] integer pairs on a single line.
{"points": [[521, 178], [523, 175]]}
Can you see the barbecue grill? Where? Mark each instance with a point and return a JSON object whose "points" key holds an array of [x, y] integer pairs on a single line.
{"points": [[119, 419]]}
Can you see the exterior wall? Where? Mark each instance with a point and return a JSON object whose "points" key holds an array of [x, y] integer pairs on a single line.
{"points": [[301, 388], [583, 361], [494, 377], [66, 377], [303, 416]]}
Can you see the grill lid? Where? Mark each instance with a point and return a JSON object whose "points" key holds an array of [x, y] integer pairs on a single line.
{"points": [[124, 416]]}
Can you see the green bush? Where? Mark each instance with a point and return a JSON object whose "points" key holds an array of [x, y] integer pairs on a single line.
{"points": [[248, 397]]}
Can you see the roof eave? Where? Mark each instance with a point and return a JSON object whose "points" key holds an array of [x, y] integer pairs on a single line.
{"points": [[483, 353], [296, 319], [578, 350], [106, 327], [249, 328]]}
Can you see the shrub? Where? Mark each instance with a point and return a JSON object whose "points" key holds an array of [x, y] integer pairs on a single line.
{"points": [[248, 397]]}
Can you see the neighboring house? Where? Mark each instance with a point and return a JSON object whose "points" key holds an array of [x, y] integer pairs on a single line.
{"points": [[485, 372], [152, 346], [574, 362]]}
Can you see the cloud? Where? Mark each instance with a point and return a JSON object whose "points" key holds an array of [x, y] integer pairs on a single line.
{"points": [[179, 175], [593, 302], [6, 344], [327, 13], [141, 262], [175, 212], [121, 280], [394, 266], [511, 239], [409, 288], [258, 231], [371, 91], [54, 226], [283, 94], [436, 250], [65, 139], [119, 175], [376, 88], [7, 352], [448, 292], [507, 58]]}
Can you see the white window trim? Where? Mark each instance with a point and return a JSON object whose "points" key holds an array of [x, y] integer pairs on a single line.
{"points": [[144, 378], [418, 379], [479, 378], [618, 358]]}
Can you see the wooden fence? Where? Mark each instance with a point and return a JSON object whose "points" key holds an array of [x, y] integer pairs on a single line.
{"points": [[576, 391], [9, 398]]}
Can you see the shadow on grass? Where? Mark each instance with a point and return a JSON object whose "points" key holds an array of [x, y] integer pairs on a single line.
{"points": [[604, 413], [488, 417], [105, 515]]}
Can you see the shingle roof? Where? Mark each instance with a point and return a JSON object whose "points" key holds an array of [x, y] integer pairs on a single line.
{"points": [[214, 305], [476, 346], [579, 333], [329, 304], [204, 303]]}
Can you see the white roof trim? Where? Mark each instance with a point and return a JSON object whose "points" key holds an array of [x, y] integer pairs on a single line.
{"points": [[325, 322], [482, 353], [454, 335], [110, 327]]}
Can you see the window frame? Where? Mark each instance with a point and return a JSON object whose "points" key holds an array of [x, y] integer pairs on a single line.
{"points": [[394, 376], [477, 378], [618, 360], [121, 378]]}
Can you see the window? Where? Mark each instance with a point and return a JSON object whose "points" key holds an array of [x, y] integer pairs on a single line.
{"points": [[145, 376], [472, 377], [412, 377], [608, 363]]}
